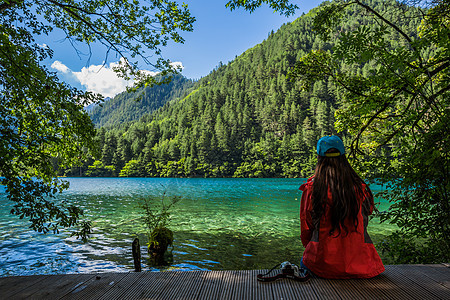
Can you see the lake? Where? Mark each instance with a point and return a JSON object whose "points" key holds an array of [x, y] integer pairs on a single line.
{"points": [[220, 224]]}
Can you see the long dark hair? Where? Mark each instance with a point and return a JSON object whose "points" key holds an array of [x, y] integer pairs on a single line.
{"points": [[335, 174]]}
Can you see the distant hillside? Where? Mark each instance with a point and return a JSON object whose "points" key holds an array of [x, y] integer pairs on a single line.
{"points": [[127, 107], [245, 119]]}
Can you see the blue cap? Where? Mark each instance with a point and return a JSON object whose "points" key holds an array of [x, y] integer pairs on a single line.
{"points": [[328, 142]]}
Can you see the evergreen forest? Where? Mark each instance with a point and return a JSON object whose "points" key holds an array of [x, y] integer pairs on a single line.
{"points": [[247, 118]]}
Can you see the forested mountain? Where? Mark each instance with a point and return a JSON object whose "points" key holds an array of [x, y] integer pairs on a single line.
{"points": [[245, 119], [127, 107]]}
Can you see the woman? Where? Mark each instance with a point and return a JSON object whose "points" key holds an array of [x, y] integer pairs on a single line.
{"points": [[334, 213]]}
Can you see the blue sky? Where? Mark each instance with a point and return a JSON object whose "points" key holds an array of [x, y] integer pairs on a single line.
{"points": [[219, 35]]}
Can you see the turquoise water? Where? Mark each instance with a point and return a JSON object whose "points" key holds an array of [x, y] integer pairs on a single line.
{"points": [[220, 224]]}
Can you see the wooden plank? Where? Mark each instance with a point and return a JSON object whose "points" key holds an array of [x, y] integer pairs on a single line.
{"points": [[245, 285], [183, 285], [381, 287], [199, 281], [229, 290], [245, 290], [281, 288], [120, 287], [433, 273], [150, 286], [345, 289], [260, 290], [237, 282], [439, 291], [303, 290], [442, 268], [53, 286], [253, 289], [397, 282], [196, 285], [94, 287], [241, 280], [411, 290], [9, 286], [323, 289], [227, 285], [366, 288], [230, 280], [292, 289], [211, 286]]}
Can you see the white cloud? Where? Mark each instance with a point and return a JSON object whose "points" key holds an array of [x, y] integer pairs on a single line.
{"points": [[177, 65], [57, 65], [101, 78]]}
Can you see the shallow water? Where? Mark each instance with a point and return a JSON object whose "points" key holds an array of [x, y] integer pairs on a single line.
{"points": [[219, 224]]}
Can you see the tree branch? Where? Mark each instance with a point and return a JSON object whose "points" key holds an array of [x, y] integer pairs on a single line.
{"points": [[8, 4], [385, 106], [395, 27], [392, 25]]}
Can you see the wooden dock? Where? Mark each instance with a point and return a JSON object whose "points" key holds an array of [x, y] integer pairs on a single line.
{"points": [[424, 282]]}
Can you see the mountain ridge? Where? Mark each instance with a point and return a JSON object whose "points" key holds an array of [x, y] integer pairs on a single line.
{"points": [[129, 107]]}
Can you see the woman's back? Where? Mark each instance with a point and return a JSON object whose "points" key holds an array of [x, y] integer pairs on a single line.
{"points": [[330, 254], [334, 214]]}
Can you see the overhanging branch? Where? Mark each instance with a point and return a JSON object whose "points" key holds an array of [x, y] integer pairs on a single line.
{"points": [[8, 4]]}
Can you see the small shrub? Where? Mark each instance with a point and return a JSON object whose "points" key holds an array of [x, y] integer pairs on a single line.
{"points": [[157, 219]]}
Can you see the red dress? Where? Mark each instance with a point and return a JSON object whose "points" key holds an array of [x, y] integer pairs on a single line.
{"points": [[351, 255]]}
